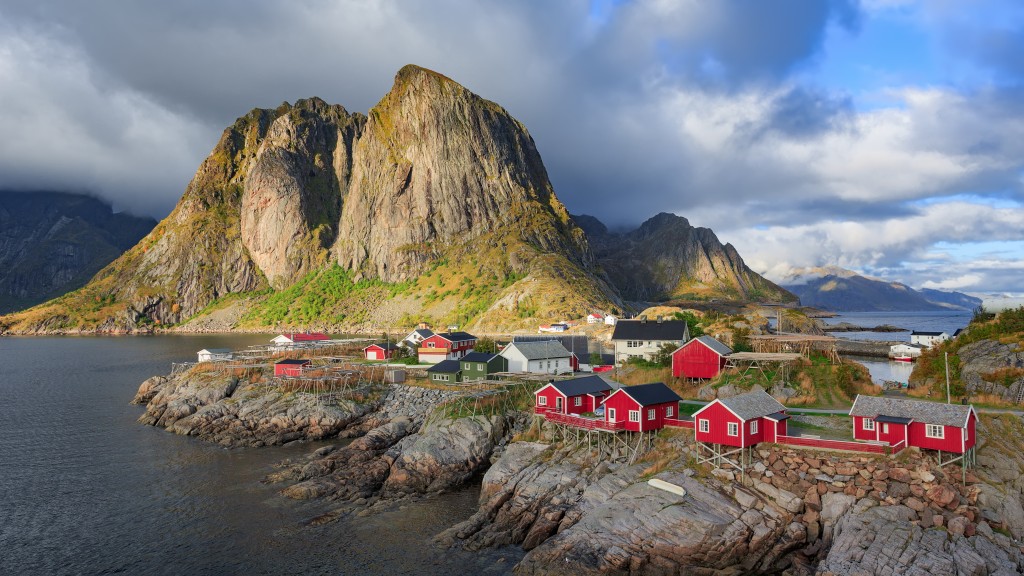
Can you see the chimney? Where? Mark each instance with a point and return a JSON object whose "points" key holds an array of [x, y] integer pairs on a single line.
{"points": [[659, 319]]}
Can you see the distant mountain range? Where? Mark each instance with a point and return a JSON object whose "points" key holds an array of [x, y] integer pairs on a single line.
{"points": [[435, 206], [839, 290], [54, 242]]}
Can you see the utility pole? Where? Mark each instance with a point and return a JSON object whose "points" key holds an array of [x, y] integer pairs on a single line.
{"points": [[946, 356]]}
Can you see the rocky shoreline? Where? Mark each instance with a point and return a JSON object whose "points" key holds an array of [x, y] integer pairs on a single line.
{"points": [[794, 512]]}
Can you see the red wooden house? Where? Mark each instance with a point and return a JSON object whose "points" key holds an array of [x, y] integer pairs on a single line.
{"points": [[928, 425], [743, 420], [290, 366], [576, 396], [641, 408], [700, 358], [381, 351], [445, 346]]}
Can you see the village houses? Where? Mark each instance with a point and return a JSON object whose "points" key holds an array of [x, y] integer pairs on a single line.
{"points": [[643, 338], [445, 346]]}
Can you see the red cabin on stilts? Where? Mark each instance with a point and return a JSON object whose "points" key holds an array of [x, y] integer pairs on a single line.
{"points": [[576, 396], [643, 407], [291, 366], [927, 425]]}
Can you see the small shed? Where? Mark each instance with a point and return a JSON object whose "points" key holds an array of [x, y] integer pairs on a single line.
{"points": [[743, 420], [594, 318], [701, 358], [445, 372], [575, 396], [543, 357], [293, 338], [380, 351], [291, 366], [928, 425], [214, 354], [643, 407]]}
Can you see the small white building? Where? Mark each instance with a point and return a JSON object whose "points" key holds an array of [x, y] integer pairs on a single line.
{"points": [[594, 319], [610, 320], [553, 328], [927, 338], [545, 357], [904, 351], [214, 354], [416, 336]]}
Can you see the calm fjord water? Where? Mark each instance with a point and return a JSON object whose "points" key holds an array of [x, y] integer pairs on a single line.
{"points": [[84, 489]]}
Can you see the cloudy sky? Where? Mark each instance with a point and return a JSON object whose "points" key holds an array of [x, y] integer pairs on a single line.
{"points": [[885, 136]]}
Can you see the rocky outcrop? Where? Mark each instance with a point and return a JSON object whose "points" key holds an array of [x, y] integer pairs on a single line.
{"points": [[668, 258], [52, 243], [992, 367]]}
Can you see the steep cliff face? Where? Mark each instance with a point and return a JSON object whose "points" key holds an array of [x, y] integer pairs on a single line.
{"points": [[668, 258], [53, 242], [439, 166]]}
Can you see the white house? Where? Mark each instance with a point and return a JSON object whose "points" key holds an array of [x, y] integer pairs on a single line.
{"points": [[295, 339], [416, 336], [214, 354], [546, 357], [904, 351], [643, 338], [594, 319], [610, 320], [927, 338]]}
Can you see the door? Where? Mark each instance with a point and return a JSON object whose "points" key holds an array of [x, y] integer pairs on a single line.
{"points": [[558, 403]]}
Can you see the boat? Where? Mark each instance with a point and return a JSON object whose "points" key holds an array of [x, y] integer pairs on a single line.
{"points": [[903, 358]]}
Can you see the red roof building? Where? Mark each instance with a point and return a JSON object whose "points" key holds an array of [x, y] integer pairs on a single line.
{"points": [[742, 421], [291, 366], [641, 408], [700, 358], [381, 351], [928, 425]]}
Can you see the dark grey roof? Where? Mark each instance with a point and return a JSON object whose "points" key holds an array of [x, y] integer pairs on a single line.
{"points": [[753, 404], [446, 367], [296, 361], [478, 357], [778, 416], [578, 344], [918, 410], [216, 350], [584, 385], [384, 345], [455, 336], [675, 330], [654, 393], [715, 345], [541, 350], [893, 419], [425, 332], [919, 333]]}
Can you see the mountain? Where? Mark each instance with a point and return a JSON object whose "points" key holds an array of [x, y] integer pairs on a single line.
{"points": [[53, 242], [839, 290], [435, 206], [667, 258]]}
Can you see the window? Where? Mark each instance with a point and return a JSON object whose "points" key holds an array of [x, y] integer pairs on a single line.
{"points": [[577, 401], [634, 415], [934, 431], [869, 424], [669, 412], [611, 414], [885, 428], [704, 425], [650, 413], [542, 400], [734, 429], [481, 367], [549, 364], [753, 427]]}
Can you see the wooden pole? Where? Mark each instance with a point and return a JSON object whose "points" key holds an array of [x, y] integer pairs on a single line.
{"points": [[946, 356]]}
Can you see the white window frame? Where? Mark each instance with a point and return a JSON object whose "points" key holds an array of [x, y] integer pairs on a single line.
{"points": [[634, 415], [650, 413], [885, 428], [542, 400], [937, 431], [869, 424], [733, 429], [669, 412], [577, 401], [753, 426], [705, 425], [611, 414], [430, 344]]}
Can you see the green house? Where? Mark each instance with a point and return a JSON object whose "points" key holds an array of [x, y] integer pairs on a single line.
{"points": [[479, 366], [445, 372]]}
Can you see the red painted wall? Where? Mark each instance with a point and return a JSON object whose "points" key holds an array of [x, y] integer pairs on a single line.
{"points": [[377, 353], [622, 404], [951, 442], [552, 395], [718, 417], [896, 432], [695, 360], [972, 437], [859, 433], [289, 369]]}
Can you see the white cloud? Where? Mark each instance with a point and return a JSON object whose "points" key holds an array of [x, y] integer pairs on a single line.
{"points": [[966, 281]]}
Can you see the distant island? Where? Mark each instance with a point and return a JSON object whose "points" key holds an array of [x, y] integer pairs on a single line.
{"points": [[838, 290]]}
